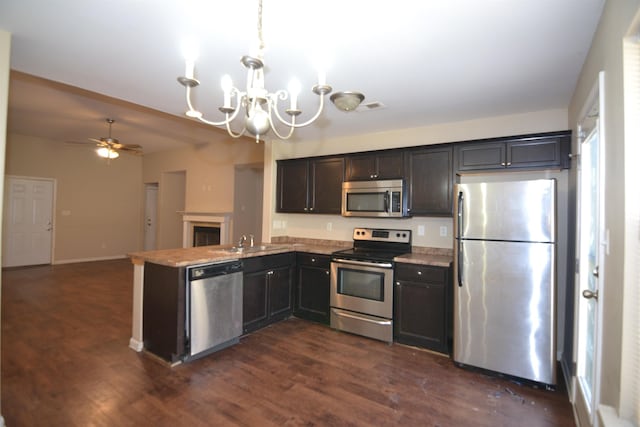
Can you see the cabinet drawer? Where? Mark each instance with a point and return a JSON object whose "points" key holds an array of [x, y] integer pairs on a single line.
{"points": [[420, 273], [267, 262], [308, 259]]}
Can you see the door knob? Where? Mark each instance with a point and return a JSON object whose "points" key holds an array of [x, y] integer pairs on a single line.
{"points": [[590, 294]]}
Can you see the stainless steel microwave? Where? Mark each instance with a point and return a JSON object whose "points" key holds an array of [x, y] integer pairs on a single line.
{"points": [[383, 198]]}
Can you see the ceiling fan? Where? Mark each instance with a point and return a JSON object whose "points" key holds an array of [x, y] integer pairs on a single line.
{"points": [[109, 147]]}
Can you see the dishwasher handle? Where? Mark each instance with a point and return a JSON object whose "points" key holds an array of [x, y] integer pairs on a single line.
{"points": [[211, 270]]}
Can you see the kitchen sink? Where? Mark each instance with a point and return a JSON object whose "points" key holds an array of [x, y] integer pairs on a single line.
{"points": [[250, 249]]}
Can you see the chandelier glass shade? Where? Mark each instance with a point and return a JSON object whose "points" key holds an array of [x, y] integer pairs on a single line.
{"points": [[259, 107]]}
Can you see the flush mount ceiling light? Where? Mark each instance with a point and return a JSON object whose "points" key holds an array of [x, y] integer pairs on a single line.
{"points": [[107, 153], [347, 101], [260, 106]]}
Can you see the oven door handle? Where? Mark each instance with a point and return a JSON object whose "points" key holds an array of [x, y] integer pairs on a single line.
{"points": [[364, 319], [363, 263]]}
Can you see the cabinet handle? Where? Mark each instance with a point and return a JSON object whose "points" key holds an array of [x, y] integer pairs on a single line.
{"points": [[419, 273], [306, 209], [372, 176], [313, 260], [270, 273], [311, 208], [326, 272], [397, 283], [508, 163], [503, 164]]}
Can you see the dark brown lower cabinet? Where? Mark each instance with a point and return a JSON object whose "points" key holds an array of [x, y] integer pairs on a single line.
{"points": [[312, 289], [423, 306], [267, 290], [163, 311]]}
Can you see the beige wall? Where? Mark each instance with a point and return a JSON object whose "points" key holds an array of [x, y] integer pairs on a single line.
{"points": [[606, 55], [97, 204], [209, 171], [336, 227], [5, 47]]}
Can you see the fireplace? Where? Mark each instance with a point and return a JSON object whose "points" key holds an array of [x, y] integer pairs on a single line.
{"points": [[206, 235], [205, 228]]}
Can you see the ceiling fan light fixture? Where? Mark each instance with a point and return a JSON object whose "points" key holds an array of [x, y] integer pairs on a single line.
{"points": [[347, 100], [107, 153]]}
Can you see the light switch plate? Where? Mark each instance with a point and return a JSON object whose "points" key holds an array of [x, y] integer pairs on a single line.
{"points": [[421, 230], [443, 231]]}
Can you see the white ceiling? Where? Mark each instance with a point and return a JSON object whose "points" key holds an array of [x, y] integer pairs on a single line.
{"points": [[429, 61]]}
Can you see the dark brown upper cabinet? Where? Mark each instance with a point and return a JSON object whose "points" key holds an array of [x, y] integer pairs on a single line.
{"points": [[312, 185], [430, 180], [374, 165], [542, 151]]}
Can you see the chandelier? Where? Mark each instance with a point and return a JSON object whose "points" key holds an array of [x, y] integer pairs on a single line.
{"points": [[260, 107]]}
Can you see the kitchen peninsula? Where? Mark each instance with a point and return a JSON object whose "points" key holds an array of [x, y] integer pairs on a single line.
{"points": [[274, 263]]}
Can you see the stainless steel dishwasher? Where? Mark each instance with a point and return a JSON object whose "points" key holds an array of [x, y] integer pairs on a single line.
{"points": [[214, 307]]}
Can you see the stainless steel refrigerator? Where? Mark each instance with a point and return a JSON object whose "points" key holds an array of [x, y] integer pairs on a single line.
{"points": [[505, 277]]}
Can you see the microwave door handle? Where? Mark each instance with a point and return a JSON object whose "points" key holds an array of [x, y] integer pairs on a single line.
{"points": [[386, 202]]}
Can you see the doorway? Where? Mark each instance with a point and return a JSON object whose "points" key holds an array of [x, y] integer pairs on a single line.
{"points": [[590, 253], [247, 201], [28, 221]]}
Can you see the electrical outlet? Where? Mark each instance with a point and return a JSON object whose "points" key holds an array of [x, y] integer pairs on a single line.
{"points": [[329, 226], [421, 230], [443, 231]]}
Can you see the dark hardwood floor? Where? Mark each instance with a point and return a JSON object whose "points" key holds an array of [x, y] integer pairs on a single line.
{"points": [[66, 362]]}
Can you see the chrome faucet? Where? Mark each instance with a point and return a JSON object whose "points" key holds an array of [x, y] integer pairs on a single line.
{"points": [[251, 240], [242, 241]]}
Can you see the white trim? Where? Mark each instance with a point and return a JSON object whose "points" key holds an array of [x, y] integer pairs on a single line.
{"points": [[135, 345], [189, 218], [608, 417], [76, 260]]}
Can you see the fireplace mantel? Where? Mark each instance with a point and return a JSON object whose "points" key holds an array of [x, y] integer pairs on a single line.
{"points": [[223, 219]]}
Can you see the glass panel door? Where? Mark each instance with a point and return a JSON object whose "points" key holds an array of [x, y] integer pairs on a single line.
{"points": [[589, 272]]}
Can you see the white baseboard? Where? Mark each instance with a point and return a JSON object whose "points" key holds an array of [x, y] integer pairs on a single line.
{"points": [[73, 261], [133, 344], [1, 421], [608, 417]]}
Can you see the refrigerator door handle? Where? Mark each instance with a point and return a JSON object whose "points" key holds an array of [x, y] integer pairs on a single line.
{"points": [[460, 214]]}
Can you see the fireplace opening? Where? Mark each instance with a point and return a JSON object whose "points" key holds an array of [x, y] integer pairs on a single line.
{"points": [[206, 235]]}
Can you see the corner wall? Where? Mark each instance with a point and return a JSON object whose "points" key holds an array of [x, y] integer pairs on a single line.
{"points": [[5, 49]]}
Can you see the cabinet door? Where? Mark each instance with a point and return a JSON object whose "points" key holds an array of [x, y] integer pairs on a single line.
{"points": [[480, 156], [360, 167], [390, 165], [528, 154], [312, 295], [280, 292], [420, 310], [430, 181], [254, 300], [326, 185], [292, 184]]}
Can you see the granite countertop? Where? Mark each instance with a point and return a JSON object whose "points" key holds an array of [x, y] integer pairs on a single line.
{"points": [[183, 257], [425, 259]]}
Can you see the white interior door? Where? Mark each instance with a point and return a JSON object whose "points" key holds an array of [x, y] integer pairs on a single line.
{"points": [[150, 216], [589, 272], [28, 222]]}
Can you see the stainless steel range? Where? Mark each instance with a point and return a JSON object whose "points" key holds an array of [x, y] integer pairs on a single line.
{"points": [[362, 282]]}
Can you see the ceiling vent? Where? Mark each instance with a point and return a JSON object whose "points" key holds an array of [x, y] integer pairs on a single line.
{"points": [[373, 105]]}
